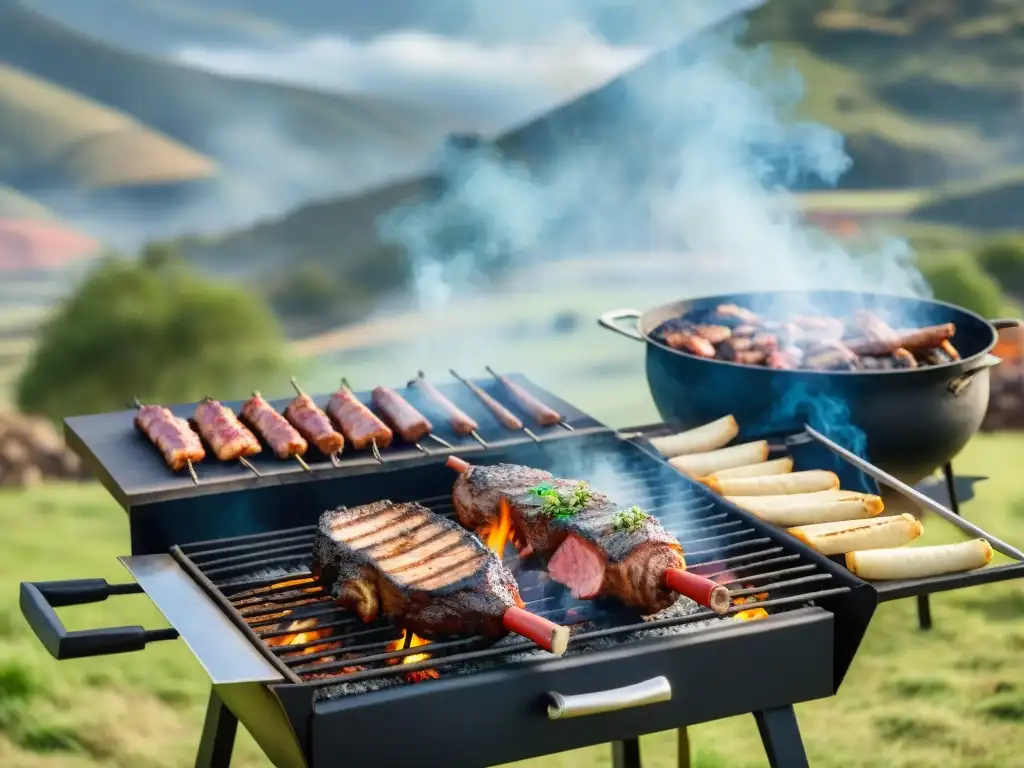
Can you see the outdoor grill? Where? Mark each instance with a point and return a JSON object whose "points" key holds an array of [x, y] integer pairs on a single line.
{"points": [[228, 562]]}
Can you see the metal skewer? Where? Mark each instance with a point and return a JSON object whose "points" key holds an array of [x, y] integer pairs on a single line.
{"points": [[137, 404], [915, 495], [335, 459], [373, 443], [497, 376], [472, 433], [297, 457], [478, 392]]}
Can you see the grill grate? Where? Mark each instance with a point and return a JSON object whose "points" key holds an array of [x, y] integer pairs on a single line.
{"points": [[265, 584]]}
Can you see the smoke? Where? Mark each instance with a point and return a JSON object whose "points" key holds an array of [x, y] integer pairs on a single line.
{"points": [[697, 152]]}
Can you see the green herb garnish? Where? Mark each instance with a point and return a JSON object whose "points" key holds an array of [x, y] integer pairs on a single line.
{"points": [[561, 505], [630, 520]]}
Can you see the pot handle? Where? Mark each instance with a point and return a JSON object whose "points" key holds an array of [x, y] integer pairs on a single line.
{"points": [[958, 385], [38, 599], [610, 320], [1002, 323]]}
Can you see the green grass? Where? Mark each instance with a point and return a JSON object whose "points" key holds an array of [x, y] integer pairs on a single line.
{"points": [[951, 697]]}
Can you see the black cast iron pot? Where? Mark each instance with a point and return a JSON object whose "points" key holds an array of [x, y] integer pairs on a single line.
{"points": [[914, 421]]}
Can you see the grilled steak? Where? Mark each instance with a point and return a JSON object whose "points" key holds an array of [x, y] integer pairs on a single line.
{"points": [[584, 550], [479, 490], [424, 571]]}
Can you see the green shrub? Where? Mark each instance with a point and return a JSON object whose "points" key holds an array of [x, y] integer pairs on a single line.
{"points": [[960, 281], [153, 329], [1004, 261]]}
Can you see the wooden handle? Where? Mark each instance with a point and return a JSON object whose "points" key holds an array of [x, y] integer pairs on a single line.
{"points": [[699, 589], [548, 635], [459, 465]]}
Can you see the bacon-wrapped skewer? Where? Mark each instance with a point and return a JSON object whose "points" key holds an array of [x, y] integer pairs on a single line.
{"points": [[410, 424], [283, 439], [173, 437], [312, 423], [225, 434], [360, 426]]}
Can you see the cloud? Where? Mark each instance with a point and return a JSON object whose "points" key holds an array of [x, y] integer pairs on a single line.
{"points": [[494, 85]]}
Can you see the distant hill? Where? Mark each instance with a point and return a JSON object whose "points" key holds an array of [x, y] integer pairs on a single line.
{"points": [[15, 205], [996, 203], [51, 137], [275, 145]]}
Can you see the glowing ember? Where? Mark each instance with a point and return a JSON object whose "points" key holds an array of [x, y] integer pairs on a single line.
{"points": [[497, 534], [751, 614], [415, 641]]}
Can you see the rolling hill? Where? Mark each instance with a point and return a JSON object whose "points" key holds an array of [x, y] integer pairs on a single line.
{"points": [[232, 119], [894, 145], [53, 138]]}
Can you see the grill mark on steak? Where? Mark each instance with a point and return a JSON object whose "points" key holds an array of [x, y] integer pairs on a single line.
{"points": [[423, 570]]}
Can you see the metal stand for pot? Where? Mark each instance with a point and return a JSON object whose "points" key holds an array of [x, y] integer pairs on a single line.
{"points": [[924, 606]]}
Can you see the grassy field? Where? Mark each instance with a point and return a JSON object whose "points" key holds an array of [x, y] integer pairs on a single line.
{"points": [[950, 697]]}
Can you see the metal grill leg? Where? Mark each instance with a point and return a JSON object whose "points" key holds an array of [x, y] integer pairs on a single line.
{"points": [[218, 735], [924, 605], [780, 734], [683, 759], [626, 754]]}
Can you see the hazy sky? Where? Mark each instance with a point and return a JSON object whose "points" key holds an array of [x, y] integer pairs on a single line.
{"points": [[507, 81]]}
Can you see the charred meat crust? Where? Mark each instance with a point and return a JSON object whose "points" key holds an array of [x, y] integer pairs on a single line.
{"points": [[479, 489], [406, 562]]}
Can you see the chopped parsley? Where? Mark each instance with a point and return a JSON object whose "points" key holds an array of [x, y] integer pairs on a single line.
{"points": [[561, 505], [630, 520]]}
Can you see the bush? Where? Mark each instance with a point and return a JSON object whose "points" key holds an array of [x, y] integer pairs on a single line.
{"points": [[962, 282], [1004, 260], [153, 329]]}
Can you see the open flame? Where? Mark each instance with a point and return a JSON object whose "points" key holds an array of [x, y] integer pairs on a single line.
{"points": [[303, 631], [750, 614], [497, 534], [415, 641]]}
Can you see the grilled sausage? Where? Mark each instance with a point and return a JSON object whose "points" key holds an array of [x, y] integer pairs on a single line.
{"points": [[545, 416], [171, 435], [312, 423], [508, 419], [357, 423], [283, 439], [412, 425], [226, 435], [461, 422]]}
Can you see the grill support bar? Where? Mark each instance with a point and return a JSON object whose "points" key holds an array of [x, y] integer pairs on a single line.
{"points": [[780, 734], [218, 740]]}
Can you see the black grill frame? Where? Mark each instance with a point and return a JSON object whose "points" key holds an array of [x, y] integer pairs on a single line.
{"points": [[746, 541]]}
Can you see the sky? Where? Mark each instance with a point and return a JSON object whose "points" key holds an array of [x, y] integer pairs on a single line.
{"points": [[507, 81]]}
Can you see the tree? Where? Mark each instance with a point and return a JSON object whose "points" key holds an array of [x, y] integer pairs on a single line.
{"points": [[1004, 260], [962, 282], [155, 329]]}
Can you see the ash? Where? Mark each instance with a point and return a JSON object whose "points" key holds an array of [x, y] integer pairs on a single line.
{"points": [[680, 609]]}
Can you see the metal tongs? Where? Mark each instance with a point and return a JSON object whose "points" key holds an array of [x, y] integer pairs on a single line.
{"points": [[911, 493]]}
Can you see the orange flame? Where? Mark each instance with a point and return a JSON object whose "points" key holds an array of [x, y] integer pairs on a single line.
{"points": [[751, 614], [497, 534], [415, 641], [303, 632]]}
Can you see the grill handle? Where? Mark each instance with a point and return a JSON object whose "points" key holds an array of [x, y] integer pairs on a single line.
{"points": [[652, 691], [38, 600]]}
